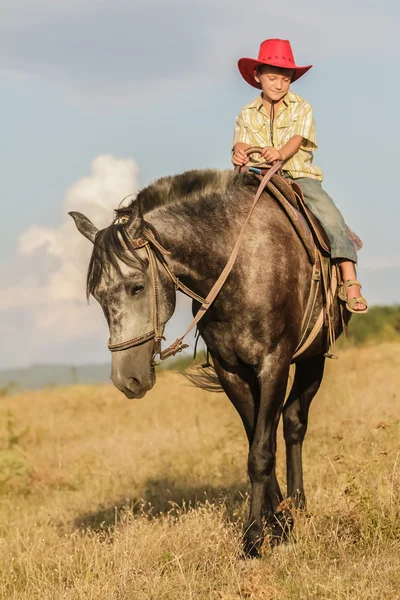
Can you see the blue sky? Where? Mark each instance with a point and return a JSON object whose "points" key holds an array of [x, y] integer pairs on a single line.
{"points": [[152, 89]]}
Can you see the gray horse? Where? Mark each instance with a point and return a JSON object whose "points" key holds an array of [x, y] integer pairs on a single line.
{"points": [[252, 328]]}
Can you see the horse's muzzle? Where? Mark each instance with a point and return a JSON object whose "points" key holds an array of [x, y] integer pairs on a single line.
{"points": [[132, 372], [134, 387]]}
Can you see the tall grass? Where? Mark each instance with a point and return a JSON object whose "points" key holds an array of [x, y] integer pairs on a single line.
{"points": [[105, 498]]}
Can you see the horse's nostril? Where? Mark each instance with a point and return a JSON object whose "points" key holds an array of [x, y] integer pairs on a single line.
{"points": [[136, 381]]}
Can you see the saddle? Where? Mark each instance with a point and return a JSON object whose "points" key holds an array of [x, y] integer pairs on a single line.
{"points": [[290, 197], [325, 274]]}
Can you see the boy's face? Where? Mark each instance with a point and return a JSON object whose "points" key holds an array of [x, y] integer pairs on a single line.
{"points": [[274, 82]]}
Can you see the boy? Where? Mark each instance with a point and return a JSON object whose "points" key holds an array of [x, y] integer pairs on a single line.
{"points": [[282, 123]]}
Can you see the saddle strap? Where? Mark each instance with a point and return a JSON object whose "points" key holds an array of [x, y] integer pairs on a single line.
{"points": [[312, 298], [293, 217], [325, 313]]}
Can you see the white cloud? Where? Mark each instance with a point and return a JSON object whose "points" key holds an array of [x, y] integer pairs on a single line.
{"points": [[54, 298], [43, 309], [97, 195]]}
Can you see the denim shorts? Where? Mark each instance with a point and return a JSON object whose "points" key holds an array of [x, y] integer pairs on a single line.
{"points": [[330, 217]]}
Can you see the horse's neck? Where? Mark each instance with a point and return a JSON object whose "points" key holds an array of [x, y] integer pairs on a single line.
{"points": [[198, 250]]}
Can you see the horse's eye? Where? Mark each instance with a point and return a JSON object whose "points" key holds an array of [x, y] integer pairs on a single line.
{"points": [[135, 289]]}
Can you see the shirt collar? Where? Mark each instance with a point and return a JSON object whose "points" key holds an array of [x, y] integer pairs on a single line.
{"points": [[290, 97]]}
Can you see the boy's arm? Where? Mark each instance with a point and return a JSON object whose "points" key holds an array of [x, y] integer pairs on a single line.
{"points": [[291, 147], [304, 136], [240, 142], [238, 153], [287, 151]]}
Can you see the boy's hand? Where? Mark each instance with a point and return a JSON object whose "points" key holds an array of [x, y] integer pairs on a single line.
{"points": [[239, 157], [271, 154]]}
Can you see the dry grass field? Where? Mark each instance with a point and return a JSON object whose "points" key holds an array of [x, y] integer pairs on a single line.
{"points": [[102, 498]]}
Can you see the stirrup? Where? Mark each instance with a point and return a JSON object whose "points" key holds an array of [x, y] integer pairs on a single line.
{"points": [[351, 302]]}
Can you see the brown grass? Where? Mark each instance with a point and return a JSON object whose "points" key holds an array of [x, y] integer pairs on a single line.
{"points": [[105, 498]]}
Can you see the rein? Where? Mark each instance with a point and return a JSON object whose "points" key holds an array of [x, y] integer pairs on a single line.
{"points": [[148, 241]]}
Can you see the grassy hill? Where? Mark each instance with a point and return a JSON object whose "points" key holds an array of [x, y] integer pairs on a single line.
{"points": [[39, 376], [382, 323], [102, 498]]}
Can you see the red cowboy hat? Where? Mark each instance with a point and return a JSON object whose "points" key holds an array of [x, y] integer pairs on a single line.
{"points": [[277, 53]]}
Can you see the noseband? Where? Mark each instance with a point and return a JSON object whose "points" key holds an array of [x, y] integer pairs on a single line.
{"points": [[156, 251]]}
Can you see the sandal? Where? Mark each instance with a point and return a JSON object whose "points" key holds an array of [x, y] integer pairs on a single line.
{"points": [[351, 302]]}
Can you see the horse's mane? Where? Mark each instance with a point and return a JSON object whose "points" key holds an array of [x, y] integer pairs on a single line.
{"points": [[191, 188], [108, 250]]}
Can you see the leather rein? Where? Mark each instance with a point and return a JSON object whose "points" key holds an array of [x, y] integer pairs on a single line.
{"points": [[149, 242]]}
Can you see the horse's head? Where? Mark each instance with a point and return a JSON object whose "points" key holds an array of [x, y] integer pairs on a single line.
{"points": [[129, 288]]}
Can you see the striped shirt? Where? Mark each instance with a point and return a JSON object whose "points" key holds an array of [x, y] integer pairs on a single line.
{"points": [[294, 117]]}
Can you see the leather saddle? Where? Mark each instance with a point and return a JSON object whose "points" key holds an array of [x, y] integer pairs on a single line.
{"points": [[288, 190], [291, 192], [289, 196]]}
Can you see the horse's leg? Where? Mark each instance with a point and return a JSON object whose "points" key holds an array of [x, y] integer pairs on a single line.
{"points": [[245, 398], [243, 392], [279, 522], [307, 380], [261, 463]]}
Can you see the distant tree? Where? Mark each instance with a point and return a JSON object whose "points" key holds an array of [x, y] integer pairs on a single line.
{"points": [[74, 375], [8, 389], [381, 323]]}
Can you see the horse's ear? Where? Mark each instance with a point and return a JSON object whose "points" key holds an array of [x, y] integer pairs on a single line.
{"points": [[135, 224], [85, 226]]}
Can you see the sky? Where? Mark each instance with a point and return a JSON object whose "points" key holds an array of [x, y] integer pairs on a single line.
{"points": [[99, 98]]}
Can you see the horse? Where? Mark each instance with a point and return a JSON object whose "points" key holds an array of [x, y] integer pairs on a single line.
{"points": [[251, 329]]}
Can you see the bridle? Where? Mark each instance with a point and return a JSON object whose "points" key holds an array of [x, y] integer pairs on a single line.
{"points": [[156, 251]]}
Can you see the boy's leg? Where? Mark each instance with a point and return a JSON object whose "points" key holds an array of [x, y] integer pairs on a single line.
{"points": [[331, 219]]}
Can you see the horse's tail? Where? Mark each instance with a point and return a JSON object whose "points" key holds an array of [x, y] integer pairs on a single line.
{"points": [[204, 377]]}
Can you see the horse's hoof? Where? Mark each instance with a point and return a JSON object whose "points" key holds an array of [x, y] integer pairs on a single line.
{"points": [[297, 501], [252, 541], [251, 551], [280, 528]]}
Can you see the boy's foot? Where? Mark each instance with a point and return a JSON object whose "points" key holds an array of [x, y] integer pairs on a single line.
{"points": [[354, 293], [350, 292]]}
